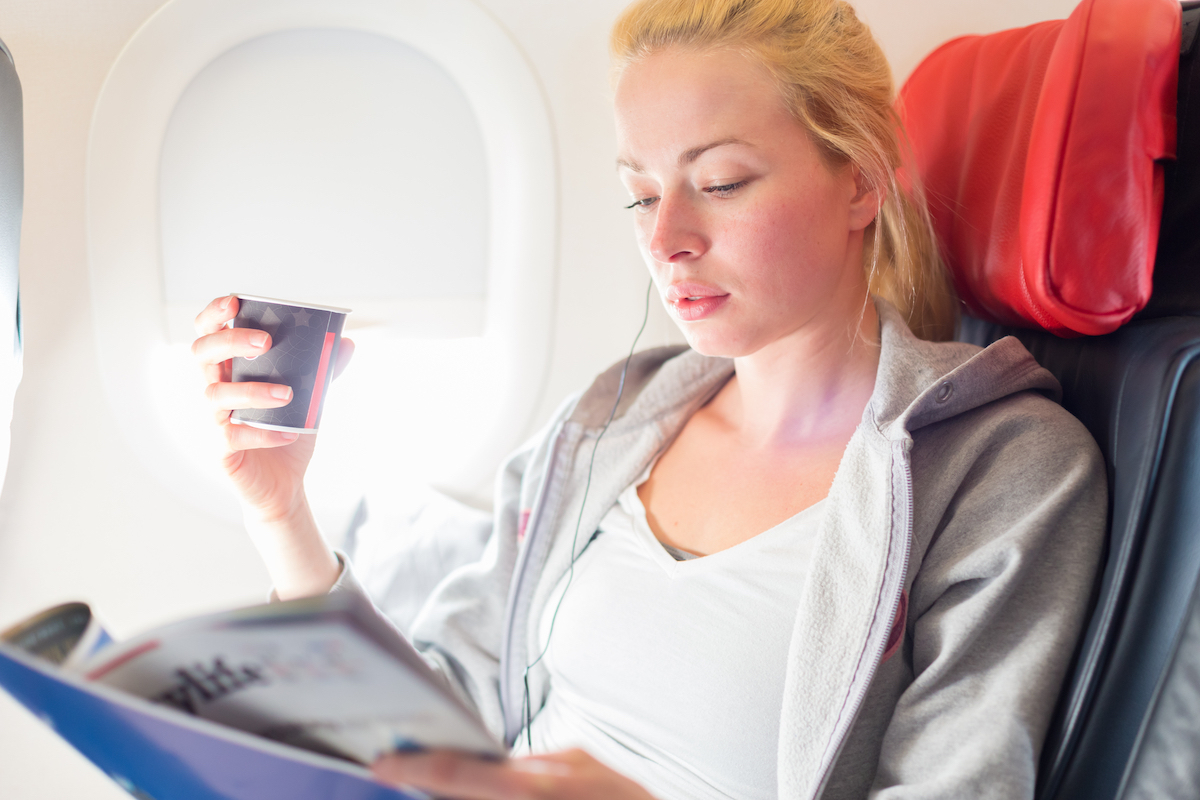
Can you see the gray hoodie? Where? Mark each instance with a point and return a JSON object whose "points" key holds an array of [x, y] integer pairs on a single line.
{"points": [[948, 585]]}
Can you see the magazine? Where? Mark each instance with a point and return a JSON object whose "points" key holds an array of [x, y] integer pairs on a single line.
{"points": [[325, 674]]}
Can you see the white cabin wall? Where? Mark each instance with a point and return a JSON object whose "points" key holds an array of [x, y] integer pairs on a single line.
{"points": [[80, 516]]}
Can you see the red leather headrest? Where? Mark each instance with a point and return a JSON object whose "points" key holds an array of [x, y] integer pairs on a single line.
{"points": [[1037, 148]]}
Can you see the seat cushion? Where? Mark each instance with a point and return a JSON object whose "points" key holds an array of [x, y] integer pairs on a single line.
{"points": [[1037, 147]]}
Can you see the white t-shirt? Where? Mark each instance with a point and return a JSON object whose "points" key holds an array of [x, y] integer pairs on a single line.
{"points": [[671, 672]]}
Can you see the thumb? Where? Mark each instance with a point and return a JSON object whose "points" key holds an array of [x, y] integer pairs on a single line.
{"points": [[345, 353]]}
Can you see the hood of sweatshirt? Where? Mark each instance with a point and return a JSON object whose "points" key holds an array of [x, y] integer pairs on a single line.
{"points": [[919, 383]]}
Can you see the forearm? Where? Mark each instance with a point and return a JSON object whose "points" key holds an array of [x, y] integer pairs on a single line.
{"points": [[298, 559]]}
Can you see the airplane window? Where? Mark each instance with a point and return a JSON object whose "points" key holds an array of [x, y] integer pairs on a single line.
{"points": [[331, 166], [395, 159], [345, 168]]}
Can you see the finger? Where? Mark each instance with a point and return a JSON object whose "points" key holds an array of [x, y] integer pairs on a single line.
{"points": [[579, 775], [216, 314], [226, 396], [245, 437], [462, 777], [345, 353], [214, 350]]}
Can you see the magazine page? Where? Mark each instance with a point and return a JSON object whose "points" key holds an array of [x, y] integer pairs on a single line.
{"points": [[322, 673]]}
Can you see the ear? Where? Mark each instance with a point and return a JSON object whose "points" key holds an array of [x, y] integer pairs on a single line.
{"points": [[865, 204]]}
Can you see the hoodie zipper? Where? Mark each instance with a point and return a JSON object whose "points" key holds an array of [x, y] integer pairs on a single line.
{"points": [[860, 689], [520, 573]]}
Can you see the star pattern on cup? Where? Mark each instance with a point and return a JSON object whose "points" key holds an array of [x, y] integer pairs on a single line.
{"points": [[298, 338]]}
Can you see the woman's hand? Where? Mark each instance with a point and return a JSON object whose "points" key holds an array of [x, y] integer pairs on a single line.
{"points": [[265, 467], [572, 774]]}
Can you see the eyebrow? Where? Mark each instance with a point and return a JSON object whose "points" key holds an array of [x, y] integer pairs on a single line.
{"points": [[687, 156]]}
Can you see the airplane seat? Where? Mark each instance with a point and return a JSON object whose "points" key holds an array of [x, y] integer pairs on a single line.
{"points": [[12, 182], [1045, 154]]}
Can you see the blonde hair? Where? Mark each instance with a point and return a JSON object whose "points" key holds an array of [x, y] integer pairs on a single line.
{"points": [[837, 84]]}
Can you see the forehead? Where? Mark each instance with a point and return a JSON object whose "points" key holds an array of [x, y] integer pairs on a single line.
{"points": [[677, 99]]}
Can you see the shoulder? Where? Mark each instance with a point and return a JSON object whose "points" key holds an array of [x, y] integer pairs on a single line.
{"points": [[994, 457], [649, 383], [1015, 479], [1015, 450], [921, 383]]}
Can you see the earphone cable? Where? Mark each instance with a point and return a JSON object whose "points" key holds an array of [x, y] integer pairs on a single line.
{"points": [[526, 704]]}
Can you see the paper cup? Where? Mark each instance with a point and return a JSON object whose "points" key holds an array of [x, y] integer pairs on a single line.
{"points": [[304, 347]]}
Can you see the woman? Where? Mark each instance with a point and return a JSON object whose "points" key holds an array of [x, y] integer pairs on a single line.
{"points": [[880, 547]]}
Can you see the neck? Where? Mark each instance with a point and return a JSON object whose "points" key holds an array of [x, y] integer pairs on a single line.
{"points": [[807, 387]]}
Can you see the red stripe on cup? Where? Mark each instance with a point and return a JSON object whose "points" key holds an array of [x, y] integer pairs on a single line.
{"points": [[314, 405]]}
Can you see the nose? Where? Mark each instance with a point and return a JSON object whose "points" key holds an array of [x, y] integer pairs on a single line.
{"points": [[677, 233]]}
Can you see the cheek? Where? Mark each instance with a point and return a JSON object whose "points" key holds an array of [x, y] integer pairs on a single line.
{"points": [[771, 240], [643, 230], [797, 239]]}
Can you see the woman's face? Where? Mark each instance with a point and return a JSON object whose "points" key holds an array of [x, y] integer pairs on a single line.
{"points": [[750, 237]]}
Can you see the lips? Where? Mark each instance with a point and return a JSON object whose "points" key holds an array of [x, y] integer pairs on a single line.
{"points": [[694, 301]]}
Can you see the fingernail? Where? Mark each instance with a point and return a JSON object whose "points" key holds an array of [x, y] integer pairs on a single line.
{"points": [[258, 339], [280, 392], [225, 303], [289, 437]]}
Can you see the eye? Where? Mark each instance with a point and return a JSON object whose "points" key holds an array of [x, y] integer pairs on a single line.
{"points": [[725, 189], [643, 203]]}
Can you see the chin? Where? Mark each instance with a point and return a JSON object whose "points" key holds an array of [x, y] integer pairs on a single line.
{"points": [[715, 346]]}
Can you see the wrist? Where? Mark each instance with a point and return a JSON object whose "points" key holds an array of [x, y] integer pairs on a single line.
{"points": [[299, 560]]}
